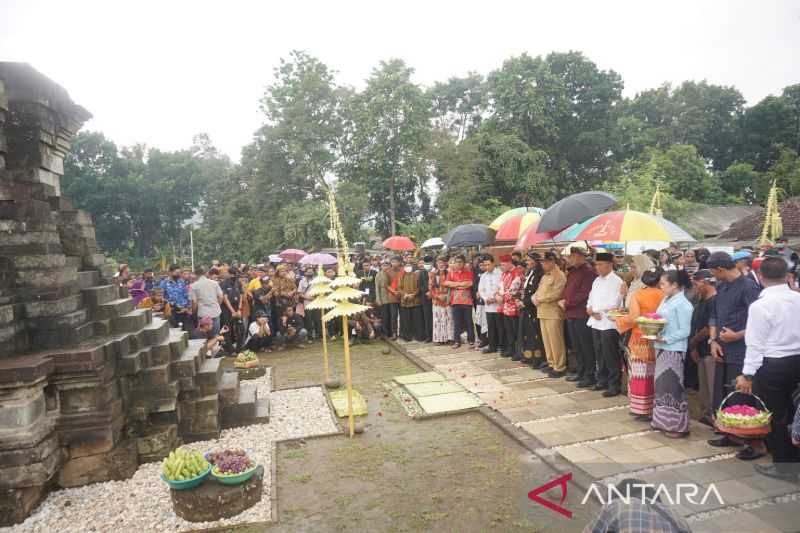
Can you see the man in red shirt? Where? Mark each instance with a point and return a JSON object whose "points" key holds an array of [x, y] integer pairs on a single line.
{"points": [[580, 277], [459, 281], [510, 284]]}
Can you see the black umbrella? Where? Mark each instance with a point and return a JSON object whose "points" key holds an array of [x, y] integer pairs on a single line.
{"points": [[469, 235], [574, 209]]}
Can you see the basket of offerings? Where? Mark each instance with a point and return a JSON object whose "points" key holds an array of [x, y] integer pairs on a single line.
{"points": [[743, 420], [247, 359], [231, 467], [651, 325], [617, 313]]}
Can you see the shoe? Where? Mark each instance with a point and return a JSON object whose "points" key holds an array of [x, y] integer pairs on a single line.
{"points": [[610, 393], [776, 473], [749, 453], [543, 365], [516, 357], [600, 386], [556, 374], [723, 442], [456, 345], [584, 384], [573, 377], [489, 350]]}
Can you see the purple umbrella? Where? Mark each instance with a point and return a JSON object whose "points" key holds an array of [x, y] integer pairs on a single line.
{"points": [[318, 259]]}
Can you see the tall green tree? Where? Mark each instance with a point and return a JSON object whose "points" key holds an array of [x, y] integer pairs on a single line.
{"points": [[389, 129]]}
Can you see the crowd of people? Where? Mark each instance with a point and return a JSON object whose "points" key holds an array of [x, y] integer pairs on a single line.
{"points": [[728, 321]]}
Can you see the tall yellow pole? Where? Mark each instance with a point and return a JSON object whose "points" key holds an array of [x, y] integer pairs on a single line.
{"points": [[348, 374], [325, 348]]}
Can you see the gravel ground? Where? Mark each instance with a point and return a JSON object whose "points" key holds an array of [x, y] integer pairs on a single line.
{"points": [[142, 503]]}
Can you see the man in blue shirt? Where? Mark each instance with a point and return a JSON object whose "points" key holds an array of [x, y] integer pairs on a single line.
{"points": [[176, 294], [727, 323]]}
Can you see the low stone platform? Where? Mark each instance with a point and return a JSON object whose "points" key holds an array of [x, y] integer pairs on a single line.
{"points": [[251, 373], [212, 501]]}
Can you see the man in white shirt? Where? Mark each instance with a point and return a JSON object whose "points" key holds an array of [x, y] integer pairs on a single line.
{"points": [[772, 361], [206, 296], [604, 296], [489, 291]]}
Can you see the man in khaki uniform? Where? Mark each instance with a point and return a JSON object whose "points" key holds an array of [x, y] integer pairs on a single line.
{"points": [[551, 315]]}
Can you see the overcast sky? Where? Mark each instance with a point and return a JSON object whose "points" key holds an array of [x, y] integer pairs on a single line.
{"points": [[158, 72]]}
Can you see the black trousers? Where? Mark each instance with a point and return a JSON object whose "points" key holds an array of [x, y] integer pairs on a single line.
{"points": [[427, 315], [774, 383], [494, 334], [462, 320], [412, 323], [510, 324], [314, 323], [257, 343], [390, 320], [725, 374], [606, 346], [581, 340]]}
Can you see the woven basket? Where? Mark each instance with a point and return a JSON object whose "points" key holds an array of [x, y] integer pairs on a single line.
{"points": [[745, 432]]}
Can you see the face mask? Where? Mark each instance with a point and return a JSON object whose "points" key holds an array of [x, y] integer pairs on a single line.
{"points": [[428, 267], [408, 269]]}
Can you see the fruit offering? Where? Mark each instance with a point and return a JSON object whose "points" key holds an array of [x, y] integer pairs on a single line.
{"points": [[182, 464], [743, 416], [246, 356], [229, 462], [651, 324]]}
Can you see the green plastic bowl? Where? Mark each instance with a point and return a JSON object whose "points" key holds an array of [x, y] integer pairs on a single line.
{"points": [[236, 479], [188, 483]]}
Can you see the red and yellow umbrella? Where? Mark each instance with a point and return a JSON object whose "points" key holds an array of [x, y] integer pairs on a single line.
{"points": [[513, 228], [532, 236], [511, 213], [625, 226]]}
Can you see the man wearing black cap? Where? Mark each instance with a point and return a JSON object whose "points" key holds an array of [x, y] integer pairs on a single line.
{"points": [[727, 323], [606, 295], [580, 277]]}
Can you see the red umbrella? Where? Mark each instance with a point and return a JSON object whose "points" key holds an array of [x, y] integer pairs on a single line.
{"points": [[399, 244], [532, 237], [292, 255]]}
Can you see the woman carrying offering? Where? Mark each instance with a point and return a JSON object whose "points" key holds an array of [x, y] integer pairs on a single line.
{"points": [[442, 315], [671, 407]]}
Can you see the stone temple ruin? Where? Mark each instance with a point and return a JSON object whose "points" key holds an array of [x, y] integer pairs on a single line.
{"points": [[89, 386]]}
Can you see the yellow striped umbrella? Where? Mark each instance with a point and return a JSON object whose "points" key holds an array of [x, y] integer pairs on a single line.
{"points": [[517, 211]]}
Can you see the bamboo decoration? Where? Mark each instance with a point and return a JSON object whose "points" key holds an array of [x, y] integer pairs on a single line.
{"points": [[773, 225], [320, 287], [344, 289], [655, 204]]}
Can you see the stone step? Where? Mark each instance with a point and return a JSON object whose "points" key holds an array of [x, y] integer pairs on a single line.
{"points": [[113, 309], [160, 354], [209, 376], [44, 278], [65, 336], [43, 308], [157, 331], [131, 322], [178, 341], [100, 294], [155, 376], [88, 278], [229, 388], [243, 411], [106, 272], [188, 364], [67, 320], [76, 262], [133, 363], [157, 398], [262, 411]]}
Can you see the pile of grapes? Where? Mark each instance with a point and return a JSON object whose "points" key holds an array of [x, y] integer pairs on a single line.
{"points": [[182, 465], [229, 462]]}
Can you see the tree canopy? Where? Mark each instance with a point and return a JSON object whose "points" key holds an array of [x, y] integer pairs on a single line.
{"points": [[418, 160]]}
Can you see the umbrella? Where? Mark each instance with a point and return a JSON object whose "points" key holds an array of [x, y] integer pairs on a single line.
{"points": [[292, 255], [469, 235], [399, 244], [318, 259], [496, 223], [435, 242], [275, 258], [575, 209], [513, 228], [625, 226], [532, 237]]}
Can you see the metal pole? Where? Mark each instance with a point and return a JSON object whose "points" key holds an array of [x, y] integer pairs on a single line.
{"points": [[191, 246]]}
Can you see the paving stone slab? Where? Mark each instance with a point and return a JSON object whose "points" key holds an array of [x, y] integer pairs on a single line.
{"points": [[480, 383], [501, 363], [456, 357], [461, 370], [585, 427], [732, 522], [449, 403], [419, 390], [502, 400], [424, 377], [784, 516]]}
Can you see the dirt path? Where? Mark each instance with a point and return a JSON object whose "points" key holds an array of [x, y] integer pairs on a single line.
{"points": [[454, 473]]}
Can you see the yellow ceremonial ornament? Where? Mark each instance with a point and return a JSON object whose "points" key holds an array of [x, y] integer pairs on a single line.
{"points": [[773, 225], [655, 204], [320, 287], [343, 291]]}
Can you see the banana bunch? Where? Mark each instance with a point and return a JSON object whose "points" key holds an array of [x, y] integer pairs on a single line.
{"points": [[183, 464]]}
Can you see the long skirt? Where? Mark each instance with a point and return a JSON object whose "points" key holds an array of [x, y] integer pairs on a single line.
{"points": [[671, 405], [442, 323], [641, 378], [529, 339]]}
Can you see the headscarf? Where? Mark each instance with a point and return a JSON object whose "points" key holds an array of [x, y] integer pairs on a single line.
{"points": [[137, 291], [643, 263]]}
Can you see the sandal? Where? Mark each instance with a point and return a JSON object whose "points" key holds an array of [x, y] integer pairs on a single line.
{"points": [[456, 345]]}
